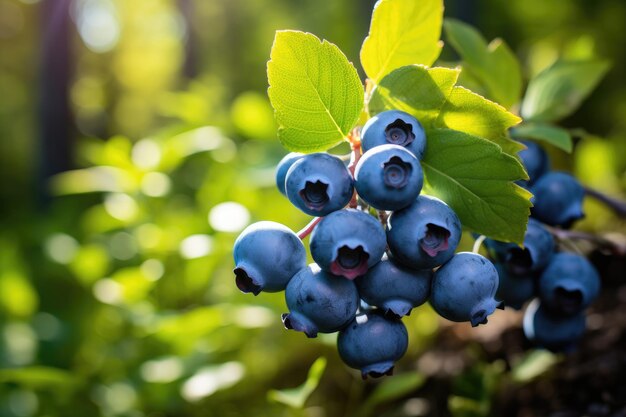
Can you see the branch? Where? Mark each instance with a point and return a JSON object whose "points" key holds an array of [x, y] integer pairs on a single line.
{"points": [[616, 248], [618, 206]]}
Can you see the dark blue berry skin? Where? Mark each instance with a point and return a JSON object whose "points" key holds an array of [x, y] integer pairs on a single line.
{"points": [[535, 160], [319, 302], [425, 234], [568, 284], [533, 257], [515, 290], [282, 168], [558, 199], [347, 243], [373, 343], [556, 333], [393, 288], [388, 177], [463, 289], [397, 128], [319, 184], [267, 255]]}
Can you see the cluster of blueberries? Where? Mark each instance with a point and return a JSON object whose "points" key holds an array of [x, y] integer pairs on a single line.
{"points": [[560, 284], [369, 270]]}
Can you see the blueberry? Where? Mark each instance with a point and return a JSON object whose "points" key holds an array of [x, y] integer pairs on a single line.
{"points": [[463, 289], [558, 199], [535, 160], [397, 128], [393, 288], [533, 257], [388, 177], [319, 184], [556, 333], [569, 283], [267, 255], [348, 242], [425, 234], [373, 343], [282, 168], [515, 290], [319, 302]]}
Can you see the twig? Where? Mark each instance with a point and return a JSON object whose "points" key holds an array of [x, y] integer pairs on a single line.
{"points": [[618, 206], [615, 248]]}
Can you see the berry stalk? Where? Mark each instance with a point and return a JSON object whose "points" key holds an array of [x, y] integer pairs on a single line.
{"points": [[478, 242], [306, 230], [355, 144]]}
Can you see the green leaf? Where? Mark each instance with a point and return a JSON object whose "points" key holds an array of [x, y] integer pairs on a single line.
{"points": [[415, 89], [18, 298], [92, 180], [558, 91], [392, 389], [316, 93], [548, 133], [533, 364], [467, 407], [475, 177], [402, 32], [471, 113], [493, 64], [470, 162], [38, 377], [296, 397], [431, 96]]}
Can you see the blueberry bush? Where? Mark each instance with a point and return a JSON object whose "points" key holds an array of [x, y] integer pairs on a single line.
{"points": [[356, 208]]}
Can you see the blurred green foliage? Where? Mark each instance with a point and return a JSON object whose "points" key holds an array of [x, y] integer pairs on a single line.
{"points": [[117, 297]]}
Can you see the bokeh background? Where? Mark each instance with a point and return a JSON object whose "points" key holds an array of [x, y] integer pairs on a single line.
{"points": [[136, 141]]}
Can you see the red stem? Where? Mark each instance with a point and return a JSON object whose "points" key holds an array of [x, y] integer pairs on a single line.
{"points": [[309, 228]]}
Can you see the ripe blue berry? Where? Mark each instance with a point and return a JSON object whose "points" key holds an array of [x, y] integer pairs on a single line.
{"points": [[463, 289], [558, 199], [319, 302], [514, 290], [533, 257], [282, 168], [347, 242], [556, 333], [535, 160], [388, 177], [425, 234], [397, 128], [568, 284], [393, 288], [372, 344], [319, 184], [267, 255]]}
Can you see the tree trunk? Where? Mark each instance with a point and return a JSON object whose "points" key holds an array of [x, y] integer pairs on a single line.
{"points": [[55, 122]]}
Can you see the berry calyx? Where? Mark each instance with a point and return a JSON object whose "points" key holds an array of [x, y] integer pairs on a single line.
{"points": [[267, 254], [347, 243]]}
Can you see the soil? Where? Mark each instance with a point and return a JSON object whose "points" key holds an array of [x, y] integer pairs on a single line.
{"points": [[591, 381]]}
